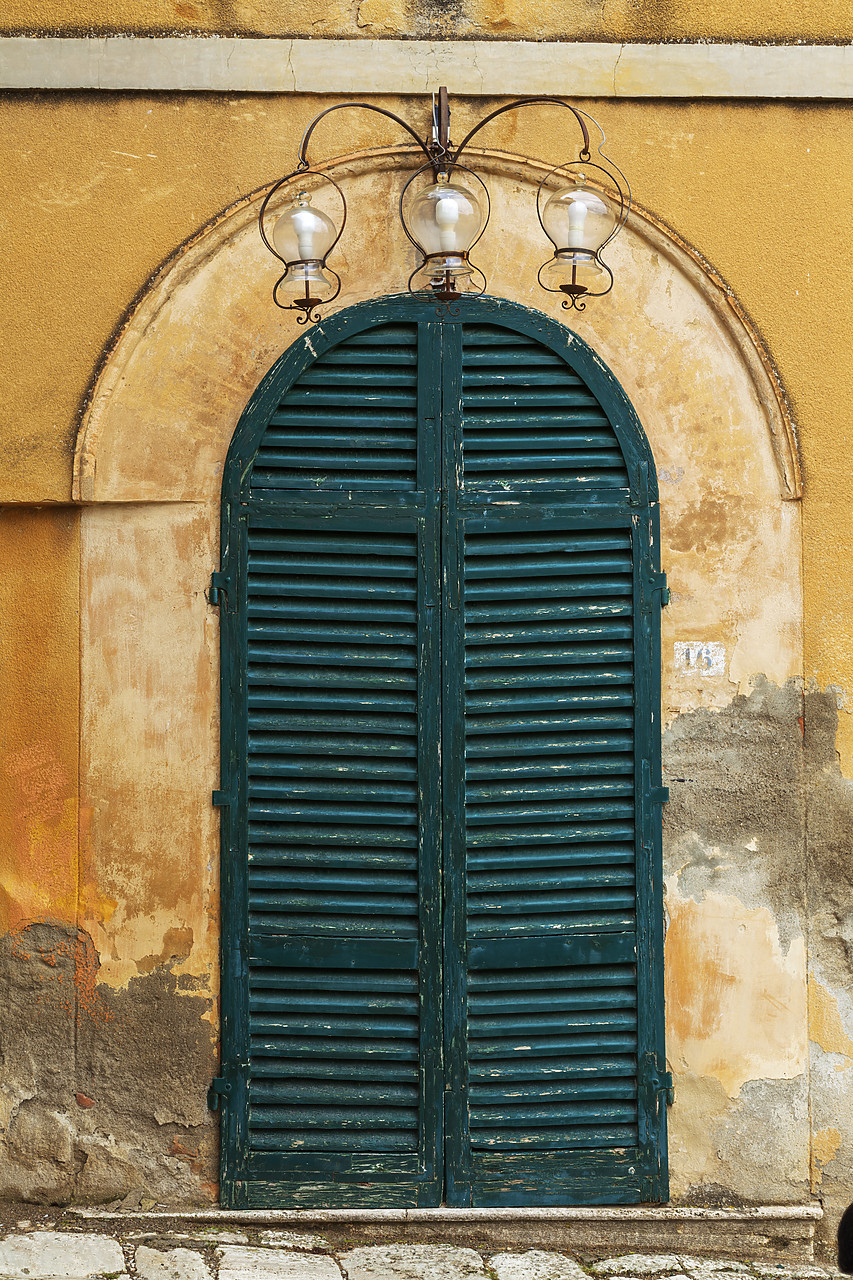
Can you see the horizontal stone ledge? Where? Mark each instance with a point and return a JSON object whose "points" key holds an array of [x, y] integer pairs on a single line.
{"points": [[468, 67], [580, 1213]]}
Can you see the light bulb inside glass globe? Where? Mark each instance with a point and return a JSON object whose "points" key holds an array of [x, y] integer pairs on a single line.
{"points": [[575, 272], [446, 282], [445, 219], [577, 218], [304, 285], [303, 233]]}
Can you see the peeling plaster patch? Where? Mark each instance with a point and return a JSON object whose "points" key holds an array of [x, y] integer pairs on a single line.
{"points": [[700, 658], [734, 822], [140, 1058], [825, 1147], [825, 1026], [755, 1146], [736, 1004]]}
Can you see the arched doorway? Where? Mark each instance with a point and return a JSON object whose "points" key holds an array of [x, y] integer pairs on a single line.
{"points": [[442, 905]]}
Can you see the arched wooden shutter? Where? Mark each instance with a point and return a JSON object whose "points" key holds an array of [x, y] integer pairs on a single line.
{"points": [[442, 970], [550, 557]]}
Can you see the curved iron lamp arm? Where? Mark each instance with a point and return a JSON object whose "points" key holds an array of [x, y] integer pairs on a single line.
{"points": [[365, 106], [527, 102]]}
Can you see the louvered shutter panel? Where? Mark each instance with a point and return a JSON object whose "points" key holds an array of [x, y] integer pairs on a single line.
{"points": [[339, 752], [442, 912], [549, 778]]}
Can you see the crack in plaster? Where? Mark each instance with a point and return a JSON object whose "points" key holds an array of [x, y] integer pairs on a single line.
{"points": [[616, 69]]}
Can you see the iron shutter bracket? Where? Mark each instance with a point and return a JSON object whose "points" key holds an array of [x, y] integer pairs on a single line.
{"points": [[225, 1086], [220, 1087], [659, 1079], [217, 593]]}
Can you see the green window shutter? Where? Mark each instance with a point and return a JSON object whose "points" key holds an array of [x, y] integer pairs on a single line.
{"points": [[549, 564], [442, 925], [336, 766]]}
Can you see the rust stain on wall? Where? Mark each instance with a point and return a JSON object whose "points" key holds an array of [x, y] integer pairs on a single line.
{"points": [[69, 955]]}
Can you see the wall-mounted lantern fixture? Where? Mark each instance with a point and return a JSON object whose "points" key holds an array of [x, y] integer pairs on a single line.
{"points": [[444, 210]]}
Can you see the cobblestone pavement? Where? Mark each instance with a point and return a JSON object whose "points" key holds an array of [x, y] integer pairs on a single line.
{"points": [[29, 1252]]}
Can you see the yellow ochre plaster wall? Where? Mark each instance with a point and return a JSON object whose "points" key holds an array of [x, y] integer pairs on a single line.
{"points": [[607, 20], [102, 192], [39, 640]]}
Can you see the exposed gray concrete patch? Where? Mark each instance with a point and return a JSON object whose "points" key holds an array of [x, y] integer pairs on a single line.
{"points": [[64, 1254], [174, 1264], [412, 1262], [140, 1059], [762, 1142], [735, 821], [830, 835], [536, 1265]]}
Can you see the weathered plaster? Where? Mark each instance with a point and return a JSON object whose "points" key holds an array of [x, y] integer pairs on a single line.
{"points": [[100, 1089], [610, 20], [736, 1003], [830, 991], [149, 673], [684, 322], [39, 641]]}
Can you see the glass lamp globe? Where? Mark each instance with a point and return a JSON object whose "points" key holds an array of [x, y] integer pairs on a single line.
{"points": [[445, 219], [577, 218], [575, 272], [305, 284], [303, 233]]}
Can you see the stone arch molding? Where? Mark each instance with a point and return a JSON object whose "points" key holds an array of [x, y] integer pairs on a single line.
{"points": [[167, 401]]}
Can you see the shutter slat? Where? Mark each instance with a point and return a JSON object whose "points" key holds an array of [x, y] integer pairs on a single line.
{"points": [[299, 1091]]}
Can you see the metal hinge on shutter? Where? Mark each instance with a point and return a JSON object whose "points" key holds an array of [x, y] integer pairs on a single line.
{"points": [[220, 1087], [218, 591], [654, 589], [223, 1087], [654, 795], [658, 1079]]}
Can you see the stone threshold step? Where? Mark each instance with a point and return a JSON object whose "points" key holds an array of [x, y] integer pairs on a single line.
{"points": [[776, 1233], [659, 1213]]}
